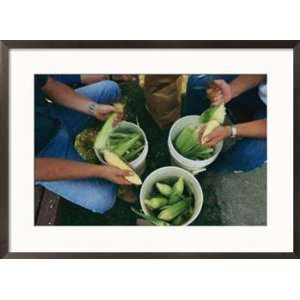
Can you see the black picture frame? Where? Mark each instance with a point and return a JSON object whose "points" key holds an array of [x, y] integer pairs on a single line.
{"points": [[6, 46]]}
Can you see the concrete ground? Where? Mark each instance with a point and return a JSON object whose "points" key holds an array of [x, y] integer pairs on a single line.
{"points": [[235, 199]]}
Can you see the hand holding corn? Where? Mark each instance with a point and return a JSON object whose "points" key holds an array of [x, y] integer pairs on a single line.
{"points": [[217, 135], [103, 111], [115, 175], [219, 92]]}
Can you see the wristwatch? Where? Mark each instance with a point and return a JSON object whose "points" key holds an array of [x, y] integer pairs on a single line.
{"points": [[233, 131], [92, 109]]}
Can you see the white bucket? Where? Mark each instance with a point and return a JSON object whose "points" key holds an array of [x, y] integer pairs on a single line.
{"points": [[167, 173], [139, 164], [194, 166]]}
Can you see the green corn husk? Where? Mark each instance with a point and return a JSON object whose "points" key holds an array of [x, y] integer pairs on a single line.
{"points": [[150, 218], [187, 142], [102, 136], [184, 136], [165, 207], [216, 113], [122, 148], [118, 135], [179, 220], [177, 191], [131, 155], [138, 144], [156, 202], [173, 211], [125, 143], [107, 128], [164, 189]]}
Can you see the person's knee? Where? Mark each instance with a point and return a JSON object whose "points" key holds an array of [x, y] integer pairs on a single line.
{"points": [[101, 207], [253, 155], [110, 91]]}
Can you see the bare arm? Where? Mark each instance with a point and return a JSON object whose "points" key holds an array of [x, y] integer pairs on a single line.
{"points": [[244, 83], [66, 96], [253, 129], [48, 169], [222, 92]]}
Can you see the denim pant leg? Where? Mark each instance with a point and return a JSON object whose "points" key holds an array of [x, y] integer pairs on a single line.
{"points": [[196, 100], [97, 195], [103, 92], [245, 155]]}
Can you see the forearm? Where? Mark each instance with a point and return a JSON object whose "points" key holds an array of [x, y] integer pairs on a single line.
{"points": [[64, 95], [244, 83], [47, 169], [254, 129]]}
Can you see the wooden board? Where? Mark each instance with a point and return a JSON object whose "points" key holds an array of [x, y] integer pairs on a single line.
{"points": [[46, 207]]}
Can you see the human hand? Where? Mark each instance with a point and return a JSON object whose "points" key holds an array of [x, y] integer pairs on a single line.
{"points": [[103, 111], [219, 92], [219, 134], [115, 175]]}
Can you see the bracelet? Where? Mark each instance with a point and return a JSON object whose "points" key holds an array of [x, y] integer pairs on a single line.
{"points": [[92, 109], [233, 131]]}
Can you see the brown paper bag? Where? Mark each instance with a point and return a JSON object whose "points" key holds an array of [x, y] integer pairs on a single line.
{"points": [[163, 98]]}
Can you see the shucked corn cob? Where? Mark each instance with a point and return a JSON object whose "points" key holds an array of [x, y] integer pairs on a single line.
{"points": [[114, 161], [173, 211], [177, 191], [176, 208]]}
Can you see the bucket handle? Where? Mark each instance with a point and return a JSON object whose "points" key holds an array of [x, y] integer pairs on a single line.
{"points": [[196, 172]]}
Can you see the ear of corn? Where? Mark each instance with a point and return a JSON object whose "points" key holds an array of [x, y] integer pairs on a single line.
{"points": [[160, 209], [113, 160], [133, 153], [209, 128], [102, 136], [123, 147], [216, 113], [187, 142], [173, 211], [150, 218], [178, 220], [164, 189], [177, 191], [156, 202]]}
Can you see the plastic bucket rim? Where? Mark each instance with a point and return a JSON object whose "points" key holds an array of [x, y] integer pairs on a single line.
{"points": [[189, 175], [183, 159], [139, 159]]}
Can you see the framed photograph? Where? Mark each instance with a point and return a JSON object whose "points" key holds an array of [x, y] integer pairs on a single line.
{"points": [[149, 149]]}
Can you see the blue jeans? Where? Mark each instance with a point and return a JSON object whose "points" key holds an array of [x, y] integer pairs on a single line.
{"points": [[97, 195], [246, 154]]}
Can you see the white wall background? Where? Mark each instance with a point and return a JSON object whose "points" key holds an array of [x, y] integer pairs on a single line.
{"points": [[255, 19]]}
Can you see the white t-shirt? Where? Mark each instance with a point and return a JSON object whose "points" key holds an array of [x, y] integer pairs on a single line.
{"points": [[262, 92]]}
